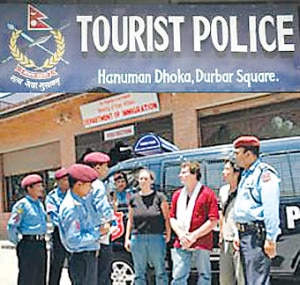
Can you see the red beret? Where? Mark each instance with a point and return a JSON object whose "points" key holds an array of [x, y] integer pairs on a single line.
{"points": [[96, 157], [61, 173], [83, 173], [30, 180], [246, 141]]}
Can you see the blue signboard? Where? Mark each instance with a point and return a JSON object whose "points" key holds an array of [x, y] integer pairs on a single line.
{"points": [[171, 48], [150, 144]]}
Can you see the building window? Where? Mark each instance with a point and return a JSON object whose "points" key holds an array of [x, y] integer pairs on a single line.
{"points": [[95, 140], [273, 121], [14, 192]]}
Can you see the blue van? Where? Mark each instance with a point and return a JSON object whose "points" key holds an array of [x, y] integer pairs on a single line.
{"points": [[283, 154]]}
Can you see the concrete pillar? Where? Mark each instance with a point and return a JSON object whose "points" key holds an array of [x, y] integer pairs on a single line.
{"points": [[67, 149], [184, 121], [2, 194]]}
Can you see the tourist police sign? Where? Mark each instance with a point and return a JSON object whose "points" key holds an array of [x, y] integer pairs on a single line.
{"points": [[189, 48]]}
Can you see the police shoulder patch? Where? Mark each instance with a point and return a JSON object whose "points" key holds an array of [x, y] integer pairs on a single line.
{"points": [[266, 176], [20, 210], [19, 207]]}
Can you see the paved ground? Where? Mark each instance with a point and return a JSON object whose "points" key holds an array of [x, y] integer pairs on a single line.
{"points": [[9, 267]]}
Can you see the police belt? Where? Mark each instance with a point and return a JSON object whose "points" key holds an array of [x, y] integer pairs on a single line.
{"points": [[250, 226], [34, 237], [86, 253]]}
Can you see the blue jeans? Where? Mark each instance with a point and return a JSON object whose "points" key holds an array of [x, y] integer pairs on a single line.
{"points": [[147, 248], [182, 263]]}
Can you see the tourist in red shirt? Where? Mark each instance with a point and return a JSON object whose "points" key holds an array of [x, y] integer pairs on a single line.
{"points": [[194, 214]]}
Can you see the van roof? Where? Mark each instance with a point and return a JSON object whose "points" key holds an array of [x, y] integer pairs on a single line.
{"points": [[267, 146]]}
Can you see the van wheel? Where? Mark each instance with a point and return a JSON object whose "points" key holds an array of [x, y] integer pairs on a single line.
{"points": [[122, 272]]}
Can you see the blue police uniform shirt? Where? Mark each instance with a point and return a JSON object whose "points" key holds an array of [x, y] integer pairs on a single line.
{"points": [[100, 201], [258, 198], [77, 227], [124, 197], [28, 217], [53, 201], [104, 212]]}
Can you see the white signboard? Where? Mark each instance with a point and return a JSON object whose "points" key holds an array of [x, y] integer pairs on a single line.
{"points": [[119, 133], [118, 108]]}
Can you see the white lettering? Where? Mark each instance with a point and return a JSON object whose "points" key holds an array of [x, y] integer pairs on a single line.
{"points": [[150, 33], [213, 77], [283, 32], [252, 34], [292, 214], [262, 28], [224, 33], [160, 33], [176, 21], [255, 77], [136, 28], [270, 32], [235, 47], [158, 25], [106, 33], [115, 36], [163, 76], [199, 35], [84, 20]]}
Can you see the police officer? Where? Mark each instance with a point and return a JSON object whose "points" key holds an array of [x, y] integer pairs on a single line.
{"points": [[53, 202], [256, 211], [28, 222], [99, 161], [78, 230]]}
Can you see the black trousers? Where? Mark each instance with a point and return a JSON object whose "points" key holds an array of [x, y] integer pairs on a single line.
{"points": [[83, 268], [58, 256], [32, 261], [256, 264], [104, 264]]}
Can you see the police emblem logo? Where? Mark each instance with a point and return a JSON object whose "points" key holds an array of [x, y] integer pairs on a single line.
{"points": [[36, 76], [77, 225], [266, 176], [117, 229], [16, 217], [51, 208]]}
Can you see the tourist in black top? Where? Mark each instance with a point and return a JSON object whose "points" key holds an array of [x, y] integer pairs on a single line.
{"points": [[148, 230]]}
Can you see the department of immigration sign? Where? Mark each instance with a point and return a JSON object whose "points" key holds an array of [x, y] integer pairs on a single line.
{"points": [[118, 108], [190, 48]]}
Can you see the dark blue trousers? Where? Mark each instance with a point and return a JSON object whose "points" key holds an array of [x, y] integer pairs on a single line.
{"points": [[58, 256], [256, 264], [104, 264], [32, 261], [83, 268]]}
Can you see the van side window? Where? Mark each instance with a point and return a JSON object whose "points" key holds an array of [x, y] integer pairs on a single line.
{"points": [[171, 179], [295, 167], [213, 174], [282, 162], [155, 167]]}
